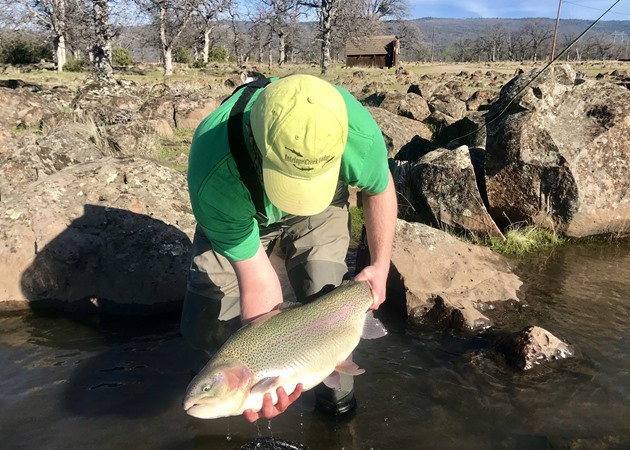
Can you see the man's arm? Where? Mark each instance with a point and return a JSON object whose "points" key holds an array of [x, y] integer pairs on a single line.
{"points": [[380, 212], [259, 285]]}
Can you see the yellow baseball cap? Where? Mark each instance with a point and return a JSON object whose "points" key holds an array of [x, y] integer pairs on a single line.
{"points": [[300, 125]]}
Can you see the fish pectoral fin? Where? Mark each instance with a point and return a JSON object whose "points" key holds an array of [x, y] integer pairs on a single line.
{"points": [[372, 327], [349, 368], [332, 381], [266, 384]]}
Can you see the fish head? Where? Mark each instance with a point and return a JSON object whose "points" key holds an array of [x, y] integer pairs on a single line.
{"points": [[219, 390]]}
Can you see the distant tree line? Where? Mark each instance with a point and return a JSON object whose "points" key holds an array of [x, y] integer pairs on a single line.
{"points": [[532, 41], [243, 30], [102, 34]]}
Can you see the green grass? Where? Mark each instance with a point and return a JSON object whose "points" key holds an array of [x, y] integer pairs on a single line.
{"points": [[357, 220], [520, 240]]}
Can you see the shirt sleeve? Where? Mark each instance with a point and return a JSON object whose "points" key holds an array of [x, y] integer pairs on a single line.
{"points": [[225, 212]]}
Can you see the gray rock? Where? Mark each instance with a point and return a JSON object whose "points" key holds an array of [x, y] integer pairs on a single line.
{"points": [[559, 156], [533, 347], [445, 193], [112, 235], [431, 267]]}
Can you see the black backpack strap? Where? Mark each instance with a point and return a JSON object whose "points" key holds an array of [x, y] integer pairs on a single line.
{"points": [[238, 147]]}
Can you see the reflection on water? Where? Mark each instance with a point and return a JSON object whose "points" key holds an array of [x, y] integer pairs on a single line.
{"points": [[97, 383]]}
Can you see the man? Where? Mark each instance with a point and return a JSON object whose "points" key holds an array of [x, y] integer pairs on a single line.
{"points": [[301, 141]]}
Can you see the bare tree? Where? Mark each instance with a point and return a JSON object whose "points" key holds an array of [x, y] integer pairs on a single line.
{"points": [[51, 15], [413, 45], [380, 9], [102, 49], [492, 42], [209, 12], [537, 35], [598, 46], [326, 13], [171, 18], [279, 15]]}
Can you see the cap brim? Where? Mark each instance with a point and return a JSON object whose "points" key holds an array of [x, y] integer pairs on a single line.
{"points": [[299, 196]]}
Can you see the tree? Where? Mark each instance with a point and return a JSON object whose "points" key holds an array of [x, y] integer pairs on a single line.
{"points": [[492, 42], [327, 13], [279, 15], [209, 12], [102, 49], [51, 15], [536, 34], [171, 17]]}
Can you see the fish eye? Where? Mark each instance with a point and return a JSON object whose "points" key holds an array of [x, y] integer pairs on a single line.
{"points": [[206, 388]]}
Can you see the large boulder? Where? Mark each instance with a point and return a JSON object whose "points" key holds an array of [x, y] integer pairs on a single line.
{"points": [[558, 154], [113, 235], [23, 108], [445, 193], [398, 131], [445, 280], [32, 159]]}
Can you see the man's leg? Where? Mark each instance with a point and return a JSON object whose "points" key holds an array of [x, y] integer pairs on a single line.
{"points": [[316, 249], [211, 311]]}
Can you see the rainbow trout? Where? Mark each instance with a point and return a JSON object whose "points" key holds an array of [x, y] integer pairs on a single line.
{"points": [[304, 344]]}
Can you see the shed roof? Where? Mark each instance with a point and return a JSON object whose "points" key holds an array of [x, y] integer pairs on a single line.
{"points": [[372, 45]]}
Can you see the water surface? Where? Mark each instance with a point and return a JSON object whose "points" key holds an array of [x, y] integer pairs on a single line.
{"points": [[105, 383]]}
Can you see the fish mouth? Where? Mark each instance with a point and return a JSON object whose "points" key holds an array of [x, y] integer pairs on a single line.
{"points": [[201, 411]]}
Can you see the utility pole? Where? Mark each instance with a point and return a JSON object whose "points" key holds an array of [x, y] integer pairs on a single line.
{"points": [[555, 33]]}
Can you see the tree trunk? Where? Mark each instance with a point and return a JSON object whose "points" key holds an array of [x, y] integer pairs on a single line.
{"points": [[206, 44], [102, 50], [60, 52], [167, 50], [327, 16], [282, 57]]}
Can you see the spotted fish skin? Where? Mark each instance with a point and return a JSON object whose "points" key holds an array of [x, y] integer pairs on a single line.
{"points": [[303, 344]]}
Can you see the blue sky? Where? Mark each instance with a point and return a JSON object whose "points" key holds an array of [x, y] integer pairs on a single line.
{"points": [[571, 9]]}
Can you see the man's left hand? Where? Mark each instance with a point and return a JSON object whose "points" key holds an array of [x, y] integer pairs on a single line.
{"points": [[269, 410]]}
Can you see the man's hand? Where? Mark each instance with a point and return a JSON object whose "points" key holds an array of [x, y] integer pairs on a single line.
{"points": [[377, 280], [269, 410]]}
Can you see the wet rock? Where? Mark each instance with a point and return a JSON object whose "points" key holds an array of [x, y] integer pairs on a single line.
{"points": [[456, 316], [428, 264], [533, 347]]}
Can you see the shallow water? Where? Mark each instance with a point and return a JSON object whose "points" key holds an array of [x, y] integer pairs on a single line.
{"points": [[99, 383]]}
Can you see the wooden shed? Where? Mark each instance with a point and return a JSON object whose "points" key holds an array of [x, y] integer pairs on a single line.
{"points": [[372, 51]]}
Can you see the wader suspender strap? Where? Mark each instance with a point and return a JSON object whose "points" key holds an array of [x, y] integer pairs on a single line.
{"points": [[238, 147]]}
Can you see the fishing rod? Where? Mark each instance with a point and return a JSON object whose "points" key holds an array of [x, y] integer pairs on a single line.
{"points": [[520, 91]]}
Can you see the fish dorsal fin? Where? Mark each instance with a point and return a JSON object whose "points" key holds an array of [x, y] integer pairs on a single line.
{"points": [[372, 327], [349, 368], [265, 385]]}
